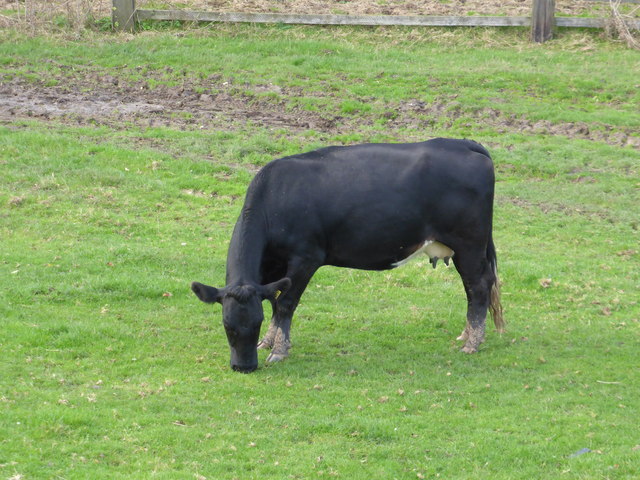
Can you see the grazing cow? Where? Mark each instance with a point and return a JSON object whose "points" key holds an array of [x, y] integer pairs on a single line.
{"points": [[371, 207]]}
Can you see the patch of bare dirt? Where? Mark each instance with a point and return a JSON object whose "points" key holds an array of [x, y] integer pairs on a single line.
{"points": [[103, 99], [545, 207], [217, 103], [449, 110]]}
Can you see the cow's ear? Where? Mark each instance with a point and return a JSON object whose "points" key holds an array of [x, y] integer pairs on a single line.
{"points": [[206, 293], [273, 290]]}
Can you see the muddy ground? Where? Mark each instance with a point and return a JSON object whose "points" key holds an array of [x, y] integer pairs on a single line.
{"points": [[96, 98], [101, 99]]}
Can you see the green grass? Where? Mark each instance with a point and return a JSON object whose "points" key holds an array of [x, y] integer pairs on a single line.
{"points": [[111, 368]]}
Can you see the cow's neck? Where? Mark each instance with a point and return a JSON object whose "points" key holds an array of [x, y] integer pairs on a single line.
{"points": [[246, 249]]}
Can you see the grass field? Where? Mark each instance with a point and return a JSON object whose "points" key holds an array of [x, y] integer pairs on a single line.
{"points": [[124, 160]]}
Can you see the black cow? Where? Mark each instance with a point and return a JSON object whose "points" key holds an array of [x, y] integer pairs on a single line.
{"points": [[371, 207]]}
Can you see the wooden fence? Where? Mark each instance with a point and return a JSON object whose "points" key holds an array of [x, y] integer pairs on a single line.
{"points": [[542, 20]]}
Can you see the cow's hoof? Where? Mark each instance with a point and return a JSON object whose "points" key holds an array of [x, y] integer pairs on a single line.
{"points": [[276, 357], [265, 345], [467, 349]]}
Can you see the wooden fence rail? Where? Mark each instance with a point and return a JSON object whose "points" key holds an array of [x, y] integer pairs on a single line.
{"points": [[542, 21]]}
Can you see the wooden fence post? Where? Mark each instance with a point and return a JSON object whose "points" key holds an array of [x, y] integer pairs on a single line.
{"points": [[123, 15], [542, 20]]}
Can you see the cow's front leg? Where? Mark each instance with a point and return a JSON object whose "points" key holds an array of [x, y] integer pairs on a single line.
{"points": [[281, 341], [268, 340], [277, 337], [300, 270]]}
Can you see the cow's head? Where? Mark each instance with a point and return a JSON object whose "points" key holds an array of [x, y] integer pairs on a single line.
{"points": [[242, 316]]}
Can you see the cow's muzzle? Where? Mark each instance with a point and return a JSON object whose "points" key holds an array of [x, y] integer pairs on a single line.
{"points": [[245, 360], [244, 368]]}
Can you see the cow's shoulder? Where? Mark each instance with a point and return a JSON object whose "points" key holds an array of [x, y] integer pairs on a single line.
{"points": [[303, 165]]}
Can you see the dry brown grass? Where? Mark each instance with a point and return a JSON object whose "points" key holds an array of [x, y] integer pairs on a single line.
{"points": [[375, 7], [73, 16], [618, 26], [35, 16]]}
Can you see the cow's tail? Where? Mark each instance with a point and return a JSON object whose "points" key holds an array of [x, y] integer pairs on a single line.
{"points": [[495, 307]]}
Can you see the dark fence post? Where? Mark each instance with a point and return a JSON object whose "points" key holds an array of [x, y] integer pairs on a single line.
{"points": [[123, 15], [542, 20]]}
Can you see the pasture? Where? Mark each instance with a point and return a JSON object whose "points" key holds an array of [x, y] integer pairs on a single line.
{"points": [[124, 160]]}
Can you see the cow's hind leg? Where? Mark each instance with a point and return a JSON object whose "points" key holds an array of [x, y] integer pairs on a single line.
{"points": [[278, 335], [478, 278]]}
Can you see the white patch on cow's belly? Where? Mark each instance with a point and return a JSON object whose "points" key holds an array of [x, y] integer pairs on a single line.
{"points": [[431, 248]]}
